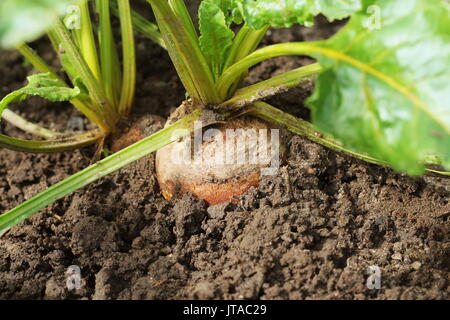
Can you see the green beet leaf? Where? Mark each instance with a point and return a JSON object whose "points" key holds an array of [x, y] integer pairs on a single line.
{"points": [[216, 36], [285, 13], [42, 85], [232, 10], [386, 85], [337, 10]]}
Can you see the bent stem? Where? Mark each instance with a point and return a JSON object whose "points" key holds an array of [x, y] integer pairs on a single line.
{"points": [[301, 127], [273, 86], [108, 165], [246, 42], [228, 77], [51, 146], [28, 126]]}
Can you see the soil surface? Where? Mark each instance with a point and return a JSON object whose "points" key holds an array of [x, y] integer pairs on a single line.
{"points": [[310, 232]]}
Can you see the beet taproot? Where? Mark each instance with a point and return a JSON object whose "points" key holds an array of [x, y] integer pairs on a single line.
{"points": [[220, 162]]}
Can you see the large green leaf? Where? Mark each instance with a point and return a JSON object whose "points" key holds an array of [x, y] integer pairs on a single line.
{"points": [[26, 20], [386, 85], [42, 85], [285, 13], [216, 36], [337, 10]]}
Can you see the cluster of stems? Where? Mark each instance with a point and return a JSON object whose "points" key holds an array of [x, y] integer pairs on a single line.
{"points": [[88, 54]]}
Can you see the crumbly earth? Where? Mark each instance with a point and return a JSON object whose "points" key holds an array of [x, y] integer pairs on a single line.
{"points": [[310, 232]]}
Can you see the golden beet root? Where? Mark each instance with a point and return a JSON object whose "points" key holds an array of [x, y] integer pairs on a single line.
{"points": [[218, 163]]}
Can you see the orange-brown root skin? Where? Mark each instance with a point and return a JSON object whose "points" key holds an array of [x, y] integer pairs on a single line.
{"points": [[213, 193], [132, 136]]}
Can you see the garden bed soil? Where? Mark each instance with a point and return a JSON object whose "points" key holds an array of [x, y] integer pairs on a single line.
{"points": [[310, 232]]}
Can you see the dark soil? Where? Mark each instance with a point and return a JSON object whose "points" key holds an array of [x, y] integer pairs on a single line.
{"points": [[311, 232]]}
